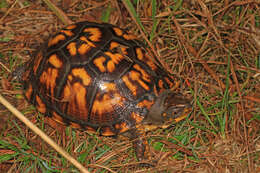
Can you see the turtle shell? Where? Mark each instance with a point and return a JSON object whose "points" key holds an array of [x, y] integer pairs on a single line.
{"points": [[95, 76]]}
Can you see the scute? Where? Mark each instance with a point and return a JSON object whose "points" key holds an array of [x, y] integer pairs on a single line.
{"points": [[95, 76]]}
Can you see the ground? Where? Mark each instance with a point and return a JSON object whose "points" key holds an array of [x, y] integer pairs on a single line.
{"points": [[213, 48]]}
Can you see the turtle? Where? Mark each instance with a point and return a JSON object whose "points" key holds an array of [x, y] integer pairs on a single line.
{"points": [[101, 78]]}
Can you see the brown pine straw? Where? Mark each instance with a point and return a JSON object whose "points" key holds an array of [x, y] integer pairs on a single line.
{"points": [[39, 132], [154, 55]]}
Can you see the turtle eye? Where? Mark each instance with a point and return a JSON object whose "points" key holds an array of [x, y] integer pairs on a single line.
{"points": [[164, 114], [174, 111]]}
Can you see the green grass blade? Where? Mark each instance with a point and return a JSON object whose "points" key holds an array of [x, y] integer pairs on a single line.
{"points": [[206, 114], [177, 6], [225, 104], [106, 14], [134, 14], [155, 21]]}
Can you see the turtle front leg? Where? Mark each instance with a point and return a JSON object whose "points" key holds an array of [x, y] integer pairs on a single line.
{"points": [[142, 150], [140, 143]]}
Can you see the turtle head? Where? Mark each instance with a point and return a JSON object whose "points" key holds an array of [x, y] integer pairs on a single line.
{"points": [[169, 107]]}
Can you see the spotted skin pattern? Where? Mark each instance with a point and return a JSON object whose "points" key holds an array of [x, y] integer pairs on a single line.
{"points": [[95, 76]]}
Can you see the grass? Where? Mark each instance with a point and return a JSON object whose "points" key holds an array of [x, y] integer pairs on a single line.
{"points": [[211, 47], [19, 150]]}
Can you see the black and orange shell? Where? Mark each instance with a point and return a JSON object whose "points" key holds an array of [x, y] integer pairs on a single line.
{"points": [[96, 77]]}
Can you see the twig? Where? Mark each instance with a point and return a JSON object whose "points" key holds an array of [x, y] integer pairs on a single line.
{"points": [[39, 132]]}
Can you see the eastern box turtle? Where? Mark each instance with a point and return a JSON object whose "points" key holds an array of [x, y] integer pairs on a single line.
{"points": [[100, 78]]}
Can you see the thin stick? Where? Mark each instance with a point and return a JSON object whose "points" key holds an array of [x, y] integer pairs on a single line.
{"points": [[38, 131]]}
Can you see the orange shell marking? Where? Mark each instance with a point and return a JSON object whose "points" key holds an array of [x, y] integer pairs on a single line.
{"points": [[129, 36], [49, 79], [40, 105], [104, 105], [129, 85], [68, 33], [75, 125], [111, 64], [99, 63], [55, 61], [150, 63], [70, 27], [57, 118], [82, 74], [145, 58], [56, 39], [106, 131], [37, 62], [110, 86], [72, 48], [113, 45], [87, 41], [115, 59], [136, 77], [145, 76], [95, 34], [85, 47], [122, 48], [139, 53], [77, 100], [118, 31], [28, 92]]}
